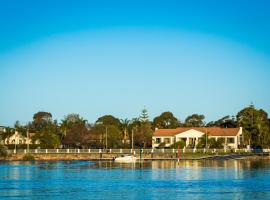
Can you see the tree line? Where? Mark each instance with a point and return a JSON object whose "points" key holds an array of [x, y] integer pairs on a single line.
{"points": [[110, 132]]}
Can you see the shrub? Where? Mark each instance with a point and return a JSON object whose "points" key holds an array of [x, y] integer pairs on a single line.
{"points": [[216, 144], [202, 143], [162, 145], [28, 157], [3, 151], [176, 144]]}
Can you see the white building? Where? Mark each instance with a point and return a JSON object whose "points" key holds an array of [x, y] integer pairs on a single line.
{"points": [[18, 138], [191, 136]]}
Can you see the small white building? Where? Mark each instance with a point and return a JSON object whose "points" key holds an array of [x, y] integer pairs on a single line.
{"points": [[191, 136], [18, 138]]}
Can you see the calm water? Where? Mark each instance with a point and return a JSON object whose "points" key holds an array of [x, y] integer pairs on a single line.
{"points": [[149, 180]]}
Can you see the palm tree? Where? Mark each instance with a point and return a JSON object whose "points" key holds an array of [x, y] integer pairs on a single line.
{"points": [[124, 127], [64, 127]]}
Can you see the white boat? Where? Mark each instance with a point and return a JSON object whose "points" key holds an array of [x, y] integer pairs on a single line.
{"points": [[126, 159]]}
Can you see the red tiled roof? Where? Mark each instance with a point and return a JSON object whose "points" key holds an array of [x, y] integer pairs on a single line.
{"points": [[213, 131]]}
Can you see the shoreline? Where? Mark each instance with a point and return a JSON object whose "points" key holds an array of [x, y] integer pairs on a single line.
{"points": [[110, 157]]}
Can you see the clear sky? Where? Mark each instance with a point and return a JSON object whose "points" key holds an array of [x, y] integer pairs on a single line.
{"points": [[115, 57]]}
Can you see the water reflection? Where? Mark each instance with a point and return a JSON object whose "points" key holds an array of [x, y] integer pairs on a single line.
{"points": [[205, 179]]}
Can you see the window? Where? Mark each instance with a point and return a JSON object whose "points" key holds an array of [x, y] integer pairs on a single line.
{"points": [[230, 140], [158, 140], [167, 140]]}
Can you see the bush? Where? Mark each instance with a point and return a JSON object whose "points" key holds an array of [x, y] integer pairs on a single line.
{"points": [[202, 142], [180, 143], [3, 151], [162, 145], [28, 157], [216, 144]]}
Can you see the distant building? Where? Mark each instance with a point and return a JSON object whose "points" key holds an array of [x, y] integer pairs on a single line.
{"points": [[18, 138], [191, 136]]}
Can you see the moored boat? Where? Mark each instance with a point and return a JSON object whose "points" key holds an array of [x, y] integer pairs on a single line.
{"points": [[126, 159]]}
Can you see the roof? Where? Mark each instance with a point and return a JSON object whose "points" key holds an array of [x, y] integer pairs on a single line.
{"points": [[212, 131]]}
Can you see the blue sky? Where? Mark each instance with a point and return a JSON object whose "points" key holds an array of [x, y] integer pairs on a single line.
{"points": [[115, 57]]}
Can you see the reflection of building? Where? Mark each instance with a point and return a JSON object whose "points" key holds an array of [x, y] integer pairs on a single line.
{"points": [[18, 138], [191, 136]]}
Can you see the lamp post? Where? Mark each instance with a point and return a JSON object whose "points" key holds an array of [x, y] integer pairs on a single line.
{"points": [[205, 135]]}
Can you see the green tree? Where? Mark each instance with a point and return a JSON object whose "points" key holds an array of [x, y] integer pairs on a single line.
{"points": [[255, 126], [216, 144], [144, 116], [48, 135], [74, 130], [109, 120], [41, 119], [124, 128], [142, 132], [143, 135], [165, 120], [111, 128], [202, 142], [225, 122], [194, 120], [9, 132], [180, 143]]}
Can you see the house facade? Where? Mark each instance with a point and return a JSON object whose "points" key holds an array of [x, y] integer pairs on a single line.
{"points": [[18, 138], [191, 136]]}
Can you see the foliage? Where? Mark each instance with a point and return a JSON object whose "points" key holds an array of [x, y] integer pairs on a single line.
{"points": [[165, 120], [225, 122], [109, 120], [202, 142], [28, 157], [143, 135], [125, 123], [216, 144], [162, 145], [3, 151], [194, 120], [73, 131], [9, 132], [41, 119], [255, 125], [109, 128], [47, 131], [180, 143], [144, 116]]}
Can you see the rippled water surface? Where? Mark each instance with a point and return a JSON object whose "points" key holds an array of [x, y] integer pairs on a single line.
{"points": [[233, 179]]}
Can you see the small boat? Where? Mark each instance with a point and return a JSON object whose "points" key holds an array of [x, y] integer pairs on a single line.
{"points": [[126, 159]]}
